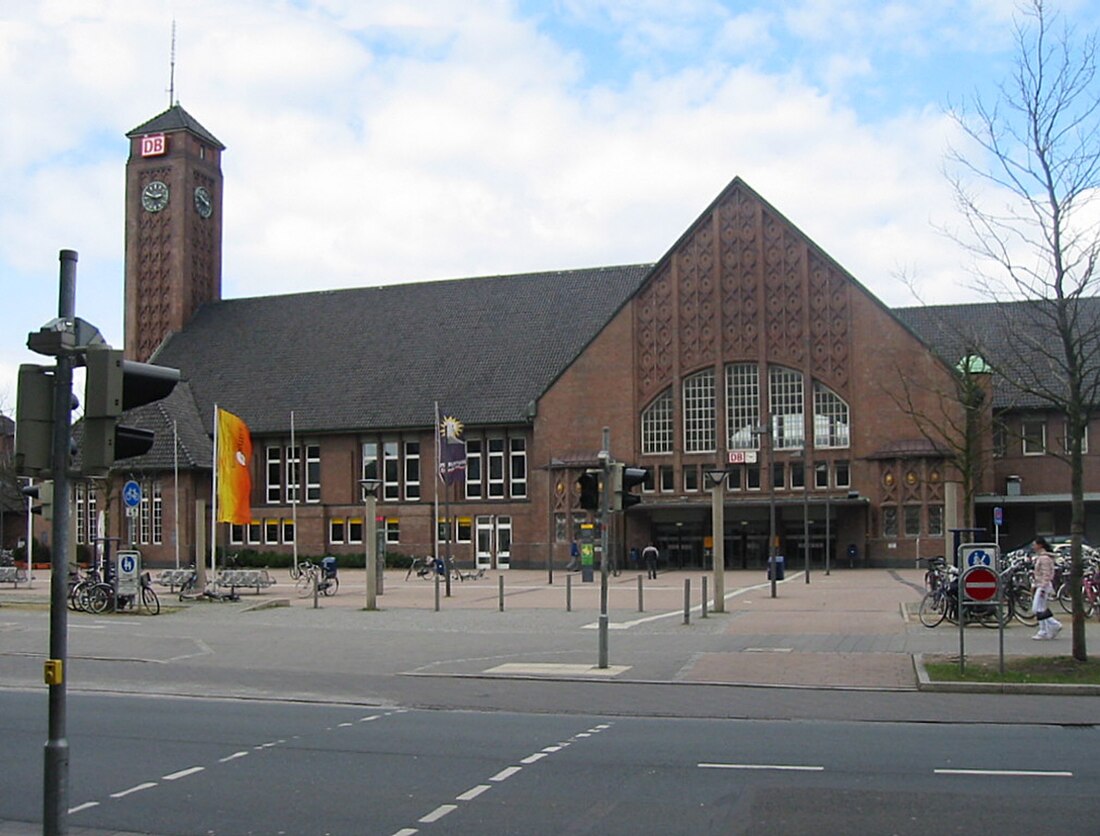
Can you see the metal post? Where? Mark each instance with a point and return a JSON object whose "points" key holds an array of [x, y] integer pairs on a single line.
{"points": [[687, 600], [605, 519], [370, 545], [500, 596], [641, 608], [806, 475], [436, 579], [704, 596], [718, 536], [315, 585], [828, 534], [55, 795], [569, 593]]}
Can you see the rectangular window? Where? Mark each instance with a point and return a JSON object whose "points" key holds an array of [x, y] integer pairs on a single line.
{"points": [[517, 458], [733, 480], [1000, 439], [657, 425], [935, 520], [889, 521], [842, 476], [798, 476], [293, 474], [158, 514], [830, 418], [355, 530], [254, 533], [337, 529], [742, 406], [1065, 439], [370, 460], [271, 531], [1034, 435], [465, 530], [561, 532], [412, 470], [752, 477], [778, 476], [145, 515], [391, 471], [236, 535], [393, 530], [288, 531], [496, 468], [473, 468], [81, 515], [699, 435], [313, 473], [912, 521], [821, 474], [274, 472], [691, 478], [667, 478], [785, 403]]}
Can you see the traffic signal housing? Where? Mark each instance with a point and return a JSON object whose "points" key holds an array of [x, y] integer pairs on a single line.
{"points": [[34, 421], [588, 484], [43, 492], [623, 480], [113, 386]]}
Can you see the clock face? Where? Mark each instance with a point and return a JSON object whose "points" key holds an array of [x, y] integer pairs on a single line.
{"points": [[204, 204], [154, 196]]}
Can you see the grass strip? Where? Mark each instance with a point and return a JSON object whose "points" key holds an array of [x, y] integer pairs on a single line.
{"points": [[1053, 670]]}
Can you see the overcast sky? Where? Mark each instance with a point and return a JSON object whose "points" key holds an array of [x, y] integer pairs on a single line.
{"points": [[372, 142]]}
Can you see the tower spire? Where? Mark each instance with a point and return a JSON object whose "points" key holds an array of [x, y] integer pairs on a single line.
{"points": [[172, 69]]}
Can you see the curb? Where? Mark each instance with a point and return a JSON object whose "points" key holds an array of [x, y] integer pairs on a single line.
{"points": [[924, 683]]}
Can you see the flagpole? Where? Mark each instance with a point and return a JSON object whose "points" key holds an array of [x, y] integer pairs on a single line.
{"points": [[214, 500], [176, 486], [435, 484], [294, 495]]}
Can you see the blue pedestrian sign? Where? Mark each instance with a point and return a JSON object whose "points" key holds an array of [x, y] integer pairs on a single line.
{"points": [[131, 494], [127, 564], [998, 515], [978, 554]]}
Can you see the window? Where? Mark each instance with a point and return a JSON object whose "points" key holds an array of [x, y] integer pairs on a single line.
{"points": [[742, 406], [560, 531], [657, 425], [293, 474], [254, 533], [889, 521], [1034, 435], [699, 434], [355, 530], [158, 513], [935, 520], [667, 478], [912, 521], [733, 480], [842, 476], [830, 418], [391, 471], [1000, 439], [752, 477], [778, 476], [691, 477], [87, 517], [150, 514], [496, 468], [313, 473], [1066, 439], [337, 529], [271, 531], [274, 474], [821, 474], [785, 402], [393, 530], [798, 475], [517, 463], [473, 468], [236, 534], [412, 470], [288, 531], [370, 460], [465, 530]]}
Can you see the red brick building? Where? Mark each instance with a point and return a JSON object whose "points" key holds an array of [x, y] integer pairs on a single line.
{"points": [[744, 349]]}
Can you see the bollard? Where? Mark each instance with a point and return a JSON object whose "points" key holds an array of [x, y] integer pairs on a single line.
{"points": [[314, 590], [640, 601], [687, 600], [704, 613], [569, 593], [501, 595], [437, 591]]}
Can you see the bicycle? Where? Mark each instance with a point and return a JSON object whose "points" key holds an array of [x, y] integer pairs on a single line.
{"points": [[327, 584], [296, 571], [88, 592], [145, 601], [190, 591]]}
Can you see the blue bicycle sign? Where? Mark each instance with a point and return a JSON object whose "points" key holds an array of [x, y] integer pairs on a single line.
{"points": [[131, 494]]}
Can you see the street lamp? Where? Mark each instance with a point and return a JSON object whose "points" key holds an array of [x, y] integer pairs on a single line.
{"points": [[764, 432], [717, 481], [370, 539], [802, 453]]}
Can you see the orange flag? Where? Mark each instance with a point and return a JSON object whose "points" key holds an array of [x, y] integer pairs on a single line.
{"points": [[234, 469]]}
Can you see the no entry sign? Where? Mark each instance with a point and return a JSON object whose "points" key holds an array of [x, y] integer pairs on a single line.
{"points": [[979, 584]]}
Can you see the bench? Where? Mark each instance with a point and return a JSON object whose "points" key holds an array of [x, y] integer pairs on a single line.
{"points": [[248, 578], [13, 574], [174, 578]]}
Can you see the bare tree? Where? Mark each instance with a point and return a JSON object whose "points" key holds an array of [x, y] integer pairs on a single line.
{"points": [[1026, 189]]}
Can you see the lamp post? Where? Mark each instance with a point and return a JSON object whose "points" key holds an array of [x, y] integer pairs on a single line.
{"points": [[803, 454], [717, 479], [370, 539], [764, 432]]}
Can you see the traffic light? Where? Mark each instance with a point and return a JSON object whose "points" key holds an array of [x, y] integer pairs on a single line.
{"points": [[589, 486], [623, 480], [43, 492], [34, 421], [112, 387]]}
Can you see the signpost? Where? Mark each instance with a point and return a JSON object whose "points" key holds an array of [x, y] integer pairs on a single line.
{"points": [[131, 498], [979, 586], [127, 573]]}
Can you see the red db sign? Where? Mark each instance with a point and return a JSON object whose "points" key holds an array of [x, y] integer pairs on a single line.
{"points": [[153, 145]]}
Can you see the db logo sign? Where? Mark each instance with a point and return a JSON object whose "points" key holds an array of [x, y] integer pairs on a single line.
{"points": [[153, 145]]}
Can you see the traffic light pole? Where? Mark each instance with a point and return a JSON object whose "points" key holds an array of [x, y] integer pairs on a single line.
{"points": [[56, 766], [605, 519]]}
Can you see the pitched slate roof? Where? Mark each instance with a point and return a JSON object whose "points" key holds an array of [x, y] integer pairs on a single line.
{"points": [[379, 357], [1004, 334], [175, 119]]}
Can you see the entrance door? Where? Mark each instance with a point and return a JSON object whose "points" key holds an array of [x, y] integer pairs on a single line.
{"points": [[494, 542]]}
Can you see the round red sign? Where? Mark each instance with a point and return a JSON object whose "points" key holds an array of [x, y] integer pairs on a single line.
{"points": [[980, 584]]}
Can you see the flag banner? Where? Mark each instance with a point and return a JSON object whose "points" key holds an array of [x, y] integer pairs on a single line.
{"points": [[452, 451], [234, 469]]}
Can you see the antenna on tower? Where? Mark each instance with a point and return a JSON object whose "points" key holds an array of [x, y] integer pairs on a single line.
{"points": [[172, 70]]}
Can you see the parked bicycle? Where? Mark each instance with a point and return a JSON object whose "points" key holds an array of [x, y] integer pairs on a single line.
{"points": [[190, 590], [941, 602], [324, 577], [88, 592], [1090, 589], [145, 601]]}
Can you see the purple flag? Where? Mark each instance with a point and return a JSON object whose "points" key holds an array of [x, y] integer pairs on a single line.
{"points": [[452, 451]]}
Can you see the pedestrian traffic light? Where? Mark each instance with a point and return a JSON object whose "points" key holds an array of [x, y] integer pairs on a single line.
{"points": [[114, 386], [623, 480], [589, 487], [43, 492], [34, 421]]}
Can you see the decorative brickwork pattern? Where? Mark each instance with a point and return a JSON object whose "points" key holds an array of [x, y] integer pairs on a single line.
{"points": [[740, 275], [830, 323], [783, 293], [698, 313], [154, 283], [654, 327]]}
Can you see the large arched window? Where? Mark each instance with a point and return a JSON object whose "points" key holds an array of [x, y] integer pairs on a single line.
{"points": [[657, 424], [699, 420], [831, 418], [785, 402], [742, 406]]}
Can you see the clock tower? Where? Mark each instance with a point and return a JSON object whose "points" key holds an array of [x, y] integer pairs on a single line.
{"points": [[173, 227]]}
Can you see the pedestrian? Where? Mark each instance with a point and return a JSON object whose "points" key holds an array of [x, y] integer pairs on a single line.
{"points": [[650, 556], [1043, 586], [634, 558], [574, 555]]}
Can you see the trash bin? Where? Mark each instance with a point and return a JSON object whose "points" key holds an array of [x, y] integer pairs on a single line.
{"points": [[778, 563], [328, 567]]}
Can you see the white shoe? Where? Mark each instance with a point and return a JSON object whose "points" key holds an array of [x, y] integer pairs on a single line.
{"points": [[1057, 630], [1040, 636]]}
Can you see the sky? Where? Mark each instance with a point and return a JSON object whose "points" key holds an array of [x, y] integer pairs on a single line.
{"points": [[371, 142]]}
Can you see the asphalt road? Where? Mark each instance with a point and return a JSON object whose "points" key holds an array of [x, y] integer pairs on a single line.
{"points": [[192, 766]]}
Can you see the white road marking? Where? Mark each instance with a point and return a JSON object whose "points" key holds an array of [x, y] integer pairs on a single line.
{"points": [[552, 749], [83, 806], [438, 813], [473, 793], [538, 756], [183, 773], [345, 725], [138, 788], [368, 719], [505, 774], [783, 767], [406, 831], [1012, 773], [232, 757]]}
